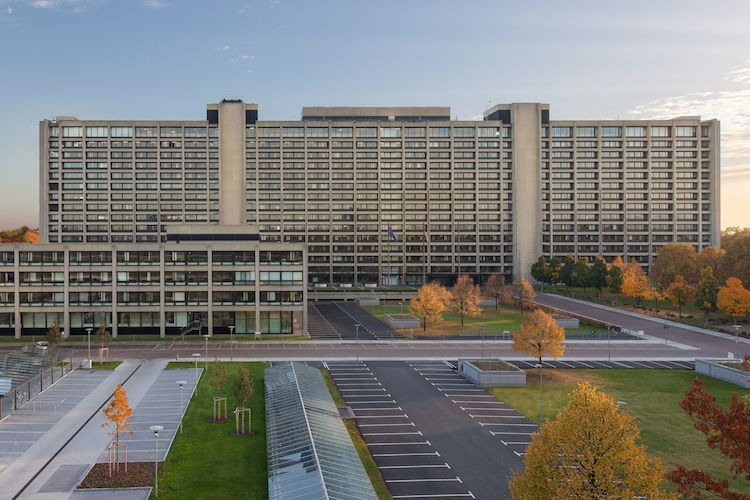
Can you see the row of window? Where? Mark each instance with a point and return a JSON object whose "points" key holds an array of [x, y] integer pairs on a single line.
{"points": [[78, 131]]}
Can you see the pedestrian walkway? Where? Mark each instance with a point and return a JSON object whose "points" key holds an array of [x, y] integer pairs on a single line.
{"points": [[77, 404], [161, 405], [35, 418], [63, 474]]}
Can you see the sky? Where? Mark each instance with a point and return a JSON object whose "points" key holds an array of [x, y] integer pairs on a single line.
{"points": [[166, 59]]}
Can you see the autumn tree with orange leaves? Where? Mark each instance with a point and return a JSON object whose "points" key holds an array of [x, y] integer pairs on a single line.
{"points": [[733, 299], [430, 302], [496, 286], [540, 335], [465, 297], [117, 417], [634, 281], [727, 431], [590, 450], [679, 292]]}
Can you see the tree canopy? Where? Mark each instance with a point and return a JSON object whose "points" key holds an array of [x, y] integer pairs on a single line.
{"points": [[539, 336], [430, 302], [589, 451], [465, 297]]}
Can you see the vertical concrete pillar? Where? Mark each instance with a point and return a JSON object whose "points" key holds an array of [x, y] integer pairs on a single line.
{"points": [[162, 292], [209, 263], [113, 271], [232, 163], [17, 291], [527, 189]]}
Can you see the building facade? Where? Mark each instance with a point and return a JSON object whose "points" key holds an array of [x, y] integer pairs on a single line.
{"points": [[212, 278], [390, 196]]}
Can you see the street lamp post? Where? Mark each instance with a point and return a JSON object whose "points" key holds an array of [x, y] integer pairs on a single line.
{"points": [[541, 399], [88, 338], [481, 333], [156, 429], [609, 343], [196, 355], [181, 383], [206, 339], [356, 339], [737, 333], [231, 342]]}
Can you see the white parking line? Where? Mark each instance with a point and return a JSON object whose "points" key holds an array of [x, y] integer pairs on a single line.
{"points": [[436, 480], [403, 415], [469, 395], [365, 395], [495, 416], [379, 409], [439, 495], [410, 424], [477, 402], [426, 454], [487, 409], [418, 433], [471, 390], [512, 433], [487, 424], [360, 390], [403, 443], [435, 466], [508, 443]]}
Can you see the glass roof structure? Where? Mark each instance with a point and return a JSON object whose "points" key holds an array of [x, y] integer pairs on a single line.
{"points": [[310, 454]]}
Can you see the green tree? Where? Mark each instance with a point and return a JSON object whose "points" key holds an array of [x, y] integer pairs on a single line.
{"points": [[615, 276], [54, 335], [597, 276], [707, 293], [244, 387], [102, 335], [555, 267], [580, 273], [218, 375], [566, 272], [540, 270]]}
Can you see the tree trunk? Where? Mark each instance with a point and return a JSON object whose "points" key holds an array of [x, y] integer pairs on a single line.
{"points": [[462, 319], [425, 323], [497, 299], [705, 318]]}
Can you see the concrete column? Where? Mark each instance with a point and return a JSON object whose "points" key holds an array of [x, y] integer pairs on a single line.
{"points": [[114, 293], [232, 163], [527, 206], [257, 289], [714, 135], [66, 291], [17, 290], [162, 293], [209, 262]]}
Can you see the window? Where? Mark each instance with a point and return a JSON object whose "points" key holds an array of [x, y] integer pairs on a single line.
{"points": [[122, 132], [440, 132], [390, 132], [685, 131], [145, 131], [463, 132], [367, 132], [585, 131], [660, 132], [96, 131], [562, 131], [635, 131], [293, 132], [611, 131], [72, 131], [341, 131]]}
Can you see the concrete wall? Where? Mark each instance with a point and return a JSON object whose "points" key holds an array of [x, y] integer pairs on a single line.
{"points": [[527, 209], [732, 375], [232, 162]]}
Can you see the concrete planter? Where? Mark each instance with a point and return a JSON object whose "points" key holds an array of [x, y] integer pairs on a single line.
{"points": [[402, 321], [714, 368], [508, 376], [367, 301], [566, 321]]}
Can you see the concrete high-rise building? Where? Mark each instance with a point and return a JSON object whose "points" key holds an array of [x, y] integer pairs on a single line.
{"points": [[390, 195]]}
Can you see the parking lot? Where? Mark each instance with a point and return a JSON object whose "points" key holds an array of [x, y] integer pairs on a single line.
{"points": [[160, 406], [407, 459], [646, 364], [511, 429]]}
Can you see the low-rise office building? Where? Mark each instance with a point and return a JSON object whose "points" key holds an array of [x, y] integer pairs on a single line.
{"points": [[213, 277]]}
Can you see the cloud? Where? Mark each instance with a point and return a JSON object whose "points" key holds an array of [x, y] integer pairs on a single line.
{"points": [[225, 48], [155, 4], [71, 5], [730, 105], [247, 57], [10, 10]]}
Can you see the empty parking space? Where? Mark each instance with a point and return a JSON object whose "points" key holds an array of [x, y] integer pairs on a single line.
{"points": [[510, 429], [160, 406], [595, 364], [35, 418], [408, 461]]}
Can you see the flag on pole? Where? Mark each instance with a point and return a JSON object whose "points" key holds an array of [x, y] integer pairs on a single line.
{"points": [[392, 234]]}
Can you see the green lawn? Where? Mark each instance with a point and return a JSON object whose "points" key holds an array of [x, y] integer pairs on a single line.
{"points": [[494, 322], [207, 460], [105, 365], [652, 396]]}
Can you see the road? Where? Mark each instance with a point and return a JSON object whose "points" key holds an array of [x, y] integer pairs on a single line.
{"points": [[707, 345]]}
